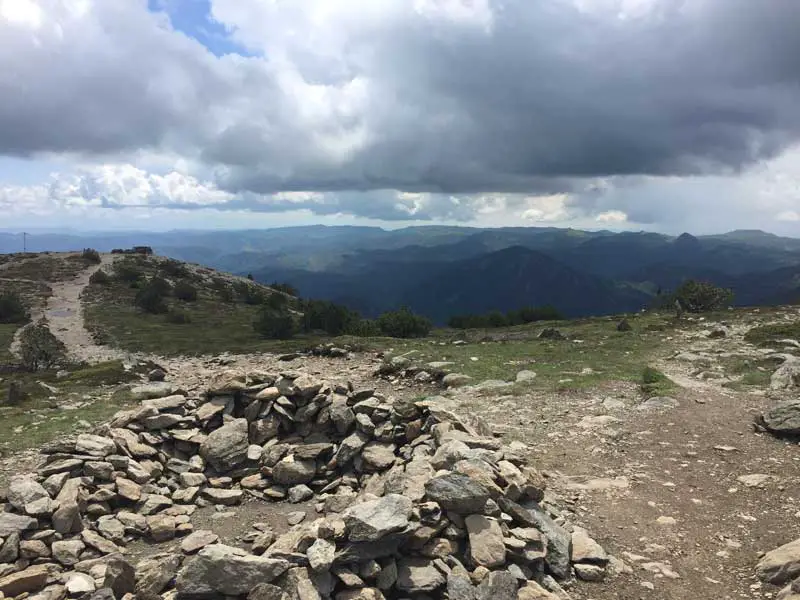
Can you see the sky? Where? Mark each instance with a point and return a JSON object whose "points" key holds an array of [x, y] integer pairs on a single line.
{"points": [[662, 115]]}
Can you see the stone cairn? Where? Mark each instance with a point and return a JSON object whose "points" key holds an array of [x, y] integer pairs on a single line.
{"points": [[413, 502]]}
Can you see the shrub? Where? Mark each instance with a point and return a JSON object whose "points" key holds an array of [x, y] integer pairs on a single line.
{"points": [[178, 317], [39, 348], [654, 382], [224, 291], [332, 318], [185, 291], [364, 328], [273, 324], [127, 272], [403, 323], [100, 278], [12, 310], [173, 268], [91, 255], [698, 296], [151, 297]]}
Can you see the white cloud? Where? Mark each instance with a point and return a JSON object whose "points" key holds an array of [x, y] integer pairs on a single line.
{"points": [[547, 208], [24, 13], [612, 216]]}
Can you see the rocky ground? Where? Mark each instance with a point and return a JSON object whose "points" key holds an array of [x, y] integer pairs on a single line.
{"points": [[685, 495]]}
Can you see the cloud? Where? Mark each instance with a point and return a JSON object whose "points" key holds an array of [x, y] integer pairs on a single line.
{"points": [[446, 97]]}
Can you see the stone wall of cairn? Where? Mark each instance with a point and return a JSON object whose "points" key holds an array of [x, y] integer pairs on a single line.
{"points": [[413, 502]]}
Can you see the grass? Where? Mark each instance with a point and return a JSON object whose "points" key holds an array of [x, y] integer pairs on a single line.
{"points": [[45, 267], [750, 372], [655, 383], [594, 353], [211, 325], [768, 334], [40, 419]]}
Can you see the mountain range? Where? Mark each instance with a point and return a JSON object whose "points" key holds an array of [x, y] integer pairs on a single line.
{"points": [[440, 271]]}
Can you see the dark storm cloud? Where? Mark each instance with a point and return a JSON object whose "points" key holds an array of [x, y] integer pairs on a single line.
{"points": [[541, 95]]}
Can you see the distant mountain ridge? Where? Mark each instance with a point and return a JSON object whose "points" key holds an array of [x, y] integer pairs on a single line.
{"points": [[444, 270]]}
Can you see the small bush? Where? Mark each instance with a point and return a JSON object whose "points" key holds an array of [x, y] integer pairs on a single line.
{"points": [[654, 382], [364, 328], [185, 291], [403, 323], [40, 349], [151, 297], [12, 309], [274, 325], [178, 317], [100, 278], [332, 318], [699, 296], [91, 255], [174, 268], [127, 272]]}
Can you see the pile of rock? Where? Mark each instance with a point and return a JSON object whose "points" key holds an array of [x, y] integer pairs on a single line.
{"points": [[413, 500]]}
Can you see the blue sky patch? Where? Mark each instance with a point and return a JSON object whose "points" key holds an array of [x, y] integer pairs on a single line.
{"points": [[193, 18]]}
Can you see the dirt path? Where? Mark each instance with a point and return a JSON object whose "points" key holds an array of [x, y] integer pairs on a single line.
{"points": [[686, 496], [63, 313]]}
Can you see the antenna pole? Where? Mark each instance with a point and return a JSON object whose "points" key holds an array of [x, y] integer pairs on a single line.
{"points": [[24, 242]]}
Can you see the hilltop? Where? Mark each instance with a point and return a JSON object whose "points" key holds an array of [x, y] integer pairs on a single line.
{"points": [[643, 432]]}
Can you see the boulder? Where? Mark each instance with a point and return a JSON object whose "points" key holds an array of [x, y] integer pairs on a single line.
{"points": [[458, 493], [226, 447], [418, 576], [486, 545], [11, 523], [198, 540], [780, 565], [293, 471], [27, 581], [155, 573], [23, 490], [783, 418], [225, 570], [371, 521], [68, 552]]}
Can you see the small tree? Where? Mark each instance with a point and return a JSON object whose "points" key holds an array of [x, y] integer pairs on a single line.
{"points": [[699, 296], [403, 323], [12, 310], [273, 324], [185, 291], [91, 255], [39, 348]]}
